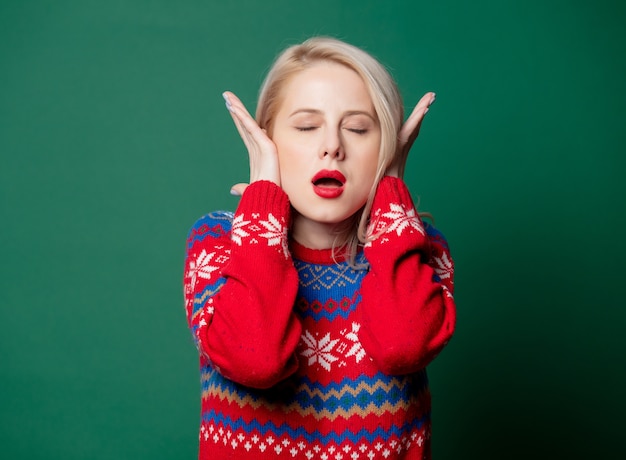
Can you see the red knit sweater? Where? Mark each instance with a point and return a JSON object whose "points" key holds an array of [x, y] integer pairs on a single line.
{"points": [[302, 356]]}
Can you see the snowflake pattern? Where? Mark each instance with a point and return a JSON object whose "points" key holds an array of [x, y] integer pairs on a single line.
{"points": [[319, 351], [356, 349], [397, 219], [443, 266], [237, 232], [402, 219], [328, 350], [274, 231], [200, 267]]}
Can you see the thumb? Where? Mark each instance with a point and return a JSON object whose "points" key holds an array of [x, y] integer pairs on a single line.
{"points": [[238, 189]]}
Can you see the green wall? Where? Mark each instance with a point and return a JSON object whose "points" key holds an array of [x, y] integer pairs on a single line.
{"points": [[114, 139]]}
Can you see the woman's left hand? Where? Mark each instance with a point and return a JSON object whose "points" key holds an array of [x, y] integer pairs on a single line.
{"points": [[408, 133]]}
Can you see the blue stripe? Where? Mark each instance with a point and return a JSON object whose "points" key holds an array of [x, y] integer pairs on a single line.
{"points": [[418, 380], [433, 233], [206, 226], [402, 389], [321, 283]]}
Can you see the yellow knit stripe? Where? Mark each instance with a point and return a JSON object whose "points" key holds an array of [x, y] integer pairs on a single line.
{"points": [[295, 406], [325, 414], [361, 387]]}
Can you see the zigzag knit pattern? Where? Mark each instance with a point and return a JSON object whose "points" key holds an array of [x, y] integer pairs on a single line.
{"points": [[337, 404]]}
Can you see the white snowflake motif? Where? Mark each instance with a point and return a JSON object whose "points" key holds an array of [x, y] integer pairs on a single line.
{"points": [[276, 233], [443, 266], [403, 219], [200, 268], [356, 350], [238, 232], [319, 351]]}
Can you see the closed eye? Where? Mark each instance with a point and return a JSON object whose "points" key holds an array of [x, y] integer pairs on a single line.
{"points": [[306, 128], [357, 131]]}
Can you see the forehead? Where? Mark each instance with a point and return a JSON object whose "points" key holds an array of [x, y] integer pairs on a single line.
{"points": [[326, 85]]}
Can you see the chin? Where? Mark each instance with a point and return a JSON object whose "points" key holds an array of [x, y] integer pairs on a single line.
{"points": [[332, 218]]}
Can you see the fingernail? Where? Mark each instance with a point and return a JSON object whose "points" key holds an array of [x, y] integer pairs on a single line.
{"points": [[234, 192], [228, 104], [433, 99]]}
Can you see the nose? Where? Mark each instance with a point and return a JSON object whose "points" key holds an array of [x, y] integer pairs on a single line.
{"points": [[332, 146]]}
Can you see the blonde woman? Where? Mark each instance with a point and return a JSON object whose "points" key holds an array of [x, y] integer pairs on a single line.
{"points": [[318, 304]]}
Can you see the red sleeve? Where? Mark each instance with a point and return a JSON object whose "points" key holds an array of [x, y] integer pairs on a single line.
{"points": [[240, 287], [408, 309]]}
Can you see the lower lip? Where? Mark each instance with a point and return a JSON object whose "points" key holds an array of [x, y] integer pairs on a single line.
{"points": [[327, 192]]}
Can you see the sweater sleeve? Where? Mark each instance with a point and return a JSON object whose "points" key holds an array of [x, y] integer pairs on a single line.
{"points": [[240, 287], [408, 309]]}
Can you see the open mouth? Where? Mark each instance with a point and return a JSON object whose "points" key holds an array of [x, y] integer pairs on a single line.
{"points": [[328, 184], [326, 178]]}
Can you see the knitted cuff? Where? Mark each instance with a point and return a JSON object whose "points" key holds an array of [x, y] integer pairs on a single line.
{"points": [[393, 213], [264, 197], [262, 218], [392, 190]]}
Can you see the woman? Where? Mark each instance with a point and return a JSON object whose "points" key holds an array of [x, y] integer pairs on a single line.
{"points": [[317, 306]]}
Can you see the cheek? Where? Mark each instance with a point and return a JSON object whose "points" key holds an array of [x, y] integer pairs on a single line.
{"points": [[367, 177], [289, 167], [370, 176], [371, 163]]}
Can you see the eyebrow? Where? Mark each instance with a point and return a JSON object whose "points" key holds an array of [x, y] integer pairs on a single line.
{"points": [[319, 112]]}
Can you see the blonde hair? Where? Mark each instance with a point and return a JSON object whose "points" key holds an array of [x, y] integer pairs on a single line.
{"points": [[385, 98]]}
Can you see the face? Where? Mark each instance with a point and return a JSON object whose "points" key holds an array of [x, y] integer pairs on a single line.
{"points": [[328, 138]]}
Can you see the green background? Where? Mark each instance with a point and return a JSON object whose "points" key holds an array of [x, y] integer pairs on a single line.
{"points": [[114, 139]]}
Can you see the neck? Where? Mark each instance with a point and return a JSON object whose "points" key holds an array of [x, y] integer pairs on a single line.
{"points": [[321, 235], [313, 235]]}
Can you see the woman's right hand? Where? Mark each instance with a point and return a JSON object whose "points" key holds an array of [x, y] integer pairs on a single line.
{"points": [[261, 150]]}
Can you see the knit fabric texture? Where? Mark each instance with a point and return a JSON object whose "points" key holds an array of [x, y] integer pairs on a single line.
{"points": [[303, 356]]}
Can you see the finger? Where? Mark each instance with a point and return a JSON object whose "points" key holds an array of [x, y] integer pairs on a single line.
{"points": [[420, 110], [238, 189], [245, 136], [247, 126], [411, 127], [427, 99], [236, 107], [237, 112]]}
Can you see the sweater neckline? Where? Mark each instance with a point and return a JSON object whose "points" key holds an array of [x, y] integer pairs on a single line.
{"points": [[316, 256]]}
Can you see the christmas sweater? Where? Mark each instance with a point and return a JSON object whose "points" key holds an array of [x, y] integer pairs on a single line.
{"points": [[303, 356]]}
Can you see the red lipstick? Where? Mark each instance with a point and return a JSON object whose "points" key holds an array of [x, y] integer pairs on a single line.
{"points": [[328, 184]]}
